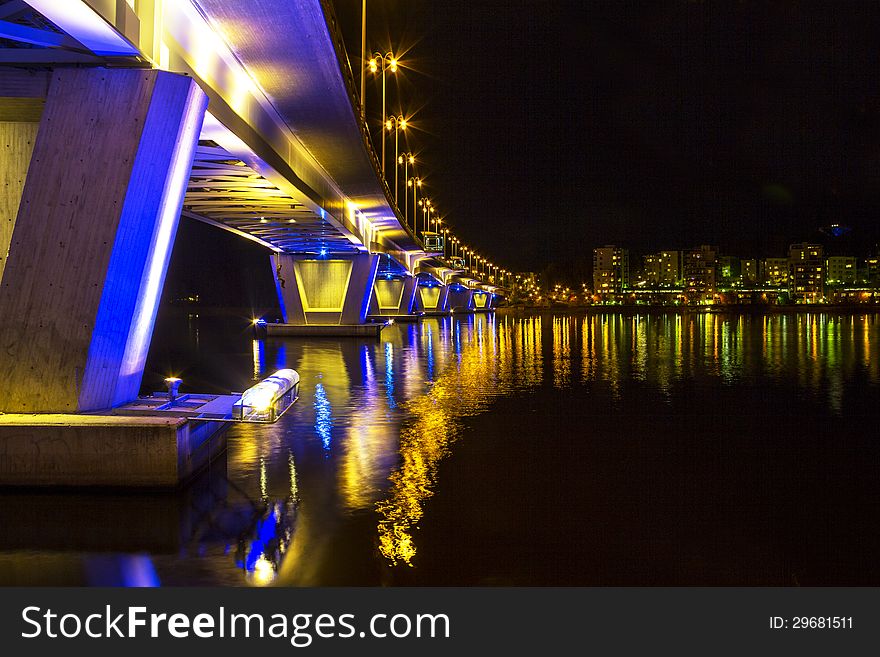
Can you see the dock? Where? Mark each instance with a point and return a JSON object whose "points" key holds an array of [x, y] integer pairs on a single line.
{"points": [[325, 330], [138, 445]]}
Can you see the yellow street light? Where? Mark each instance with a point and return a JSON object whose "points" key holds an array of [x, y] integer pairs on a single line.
{"points": [[396, 123], [415, 182], [384, 62], [405, 159]]}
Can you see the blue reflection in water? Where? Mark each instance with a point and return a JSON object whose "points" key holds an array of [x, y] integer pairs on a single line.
{"points": [[281, 357], [265, 533], [367, 367], [389, 374], [261, 550], [131, 571], [430, 354], [323, 419]]}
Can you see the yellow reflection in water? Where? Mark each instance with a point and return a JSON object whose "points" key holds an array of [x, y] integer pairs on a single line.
{"points": [[464, 388], [476, 360]]}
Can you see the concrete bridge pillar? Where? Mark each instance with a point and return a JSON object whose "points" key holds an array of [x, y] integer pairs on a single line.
{"points": [[481, 300], [461, 299], [433, 298], [92, 236], [329, 290], [394, 296]]}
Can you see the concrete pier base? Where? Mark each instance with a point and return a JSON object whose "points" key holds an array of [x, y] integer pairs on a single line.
{"points": [[397, 319], [324, 331], [104, 450]]}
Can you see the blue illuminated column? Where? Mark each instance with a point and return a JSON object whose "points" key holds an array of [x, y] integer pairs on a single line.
{"points": [[393, 295], [433, 297], [461, 298], [408, 298], [93, 236], [331, 290]]}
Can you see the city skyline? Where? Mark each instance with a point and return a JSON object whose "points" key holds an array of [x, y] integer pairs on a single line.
{"points": [[749, 126]]}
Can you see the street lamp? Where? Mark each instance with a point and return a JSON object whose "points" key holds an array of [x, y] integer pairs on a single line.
{"points": [[429, 219], [363, 59], [425, 204], [386, 62], [396, 123], [415, 182], [405, 159]]}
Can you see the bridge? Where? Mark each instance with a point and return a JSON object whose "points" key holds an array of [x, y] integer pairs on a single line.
{"points": [[119, 116]]}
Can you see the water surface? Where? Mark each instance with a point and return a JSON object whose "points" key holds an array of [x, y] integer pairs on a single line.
{"points": [[502, 449]]}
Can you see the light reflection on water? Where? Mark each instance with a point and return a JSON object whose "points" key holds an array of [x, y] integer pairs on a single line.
{"points": [[335, 492]]}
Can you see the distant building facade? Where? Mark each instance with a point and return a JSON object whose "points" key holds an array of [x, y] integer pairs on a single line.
{"points": [[610, 269], [774, 272], [729, 271], [841, 270], [806, 267], [872, 269], [662, 269], [700, 270], [749, 271]]}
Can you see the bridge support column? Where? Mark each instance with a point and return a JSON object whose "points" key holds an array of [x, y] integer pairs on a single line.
{"points": [[481, 300], [394, 296], [433, 298], [461, 299], [334, 290], [16, 145], [92, 236]]}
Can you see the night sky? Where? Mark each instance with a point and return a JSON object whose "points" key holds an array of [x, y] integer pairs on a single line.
{"points": [[549, 128]]}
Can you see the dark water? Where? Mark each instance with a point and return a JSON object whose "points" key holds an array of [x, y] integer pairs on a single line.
{"points": [[598, 450]]}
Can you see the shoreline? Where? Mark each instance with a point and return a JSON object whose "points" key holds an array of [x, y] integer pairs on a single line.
{"points": [[740, 309]]}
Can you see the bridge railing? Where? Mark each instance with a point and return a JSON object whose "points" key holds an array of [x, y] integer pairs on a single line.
{"points": [[351, 89]]}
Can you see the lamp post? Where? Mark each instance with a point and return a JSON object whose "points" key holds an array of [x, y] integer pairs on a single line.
{"points": [[384, 62], [429, 218], [425, 204], [415, 182], [396, 123], [434, 226], [405, 159], [363, 59]]}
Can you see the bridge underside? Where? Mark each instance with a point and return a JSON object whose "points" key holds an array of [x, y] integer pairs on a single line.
{"points": [[89, 219], [224, 191]]}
